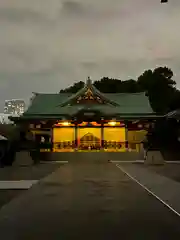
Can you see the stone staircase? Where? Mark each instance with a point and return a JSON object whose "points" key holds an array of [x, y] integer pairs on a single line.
{"points": [[94, 156]]}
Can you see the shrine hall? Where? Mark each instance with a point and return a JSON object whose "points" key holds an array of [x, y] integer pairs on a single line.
{"points": [[88, 120]]}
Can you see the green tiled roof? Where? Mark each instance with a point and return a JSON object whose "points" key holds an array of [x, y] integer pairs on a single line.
{"points": [[43, 102], [131, 102], [59, 104], [49, 104]]}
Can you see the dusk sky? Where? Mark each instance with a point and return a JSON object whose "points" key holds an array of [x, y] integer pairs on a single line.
{"points": [[46, 45]]}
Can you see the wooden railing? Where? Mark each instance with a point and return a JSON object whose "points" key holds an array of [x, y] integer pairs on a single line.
{"points": [[84, 145]]}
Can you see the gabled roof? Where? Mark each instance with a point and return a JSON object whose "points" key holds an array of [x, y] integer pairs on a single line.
{"points": [[128, 103], [93, 90], [64, 104]]}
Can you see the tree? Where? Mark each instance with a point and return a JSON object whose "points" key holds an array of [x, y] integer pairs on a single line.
{"points": [[158, 85], [160, 88], [175, 103], [73, 89], [108, 85]]}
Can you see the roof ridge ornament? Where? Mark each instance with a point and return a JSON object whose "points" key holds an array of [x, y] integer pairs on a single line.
{"points": [[88, 81], [35, 93]]}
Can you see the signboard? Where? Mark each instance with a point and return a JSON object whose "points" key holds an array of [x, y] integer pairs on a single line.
{"points": [[89, 114]]}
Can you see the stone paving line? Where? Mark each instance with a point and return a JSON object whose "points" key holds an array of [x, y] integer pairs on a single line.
{"points": [[166, 190]]}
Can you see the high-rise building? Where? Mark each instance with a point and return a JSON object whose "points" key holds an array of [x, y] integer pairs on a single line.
{"points": [[4, 118], [14, 106]]}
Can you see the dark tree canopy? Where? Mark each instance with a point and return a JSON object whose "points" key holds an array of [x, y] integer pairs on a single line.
{"points": [[73, 89], [160, 88], [158, 85]]}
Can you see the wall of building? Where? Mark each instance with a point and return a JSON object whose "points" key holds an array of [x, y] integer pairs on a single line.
{"points": [[135, 139], [136, 136], [114, 138]]}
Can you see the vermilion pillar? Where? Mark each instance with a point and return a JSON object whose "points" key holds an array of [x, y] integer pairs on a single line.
{"points": [[126, 136], [102, 136], [76, 137]]}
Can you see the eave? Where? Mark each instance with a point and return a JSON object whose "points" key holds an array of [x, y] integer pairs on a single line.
{"points": [[122, 116]]}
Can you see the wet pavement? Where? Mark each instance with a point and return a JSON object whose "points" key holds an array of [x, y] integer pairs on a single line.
{"points": [[169, 170], [19, 173], [87, 201], [27, 172]]}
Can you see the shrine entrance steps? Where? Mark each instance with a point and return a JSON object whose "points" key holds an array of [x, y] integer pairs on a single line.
{"points": [[94, 156]]}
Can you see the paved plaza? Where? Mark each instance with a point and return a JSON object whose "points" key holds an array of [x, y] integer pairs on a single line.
{"points": [[88, 201]]}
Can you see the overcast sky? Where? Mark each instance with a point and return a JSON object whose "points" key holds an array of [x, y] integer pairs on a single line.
{"points": [[46, 45]]}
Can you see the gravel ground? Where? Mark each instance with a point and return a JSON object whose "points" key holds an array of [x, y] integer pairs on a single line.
{"points": [[88, 201], [170, 170]]}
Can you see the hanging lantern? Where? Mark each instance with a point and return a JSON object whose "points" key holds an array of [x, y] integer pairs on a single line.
{"points": [[65, 123], [112, 123]]}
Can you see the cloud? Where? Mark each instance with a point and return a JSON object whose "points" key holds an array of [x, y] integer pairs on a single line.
{"points": [[17, 16], [73, 8], [46, 45]]}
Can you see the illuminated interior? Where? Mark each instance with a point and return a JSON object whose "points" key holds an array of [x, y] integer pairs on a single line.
{"points": [[90, 138], [63, 139], [114, 139]]}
